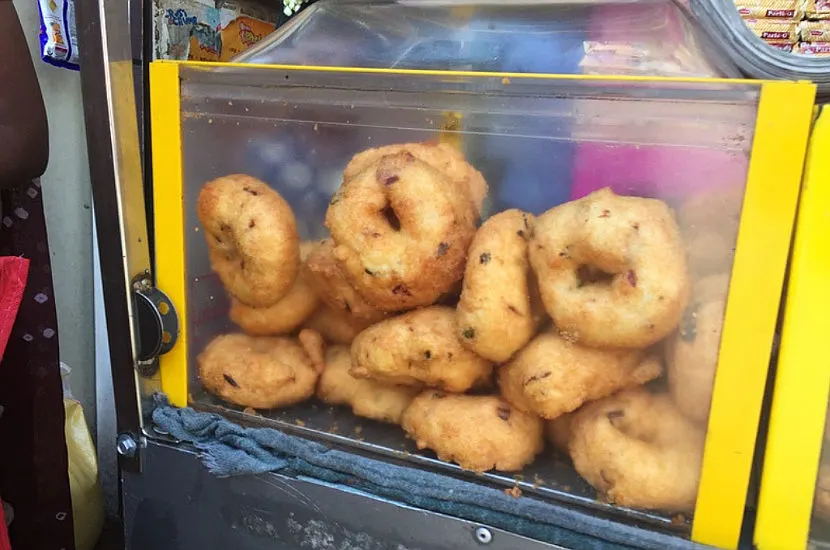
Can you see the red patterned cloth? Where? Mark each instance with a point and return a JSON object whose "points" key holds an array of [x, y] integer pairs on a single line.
{"points": [[4, 534], [13, 274]]}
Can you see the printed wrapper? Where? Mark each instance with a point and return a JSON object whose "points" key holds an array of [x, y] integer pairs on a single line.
{"points": [[814, 49], [771, 9], [58, 33], [783, 46], [814, 31], [818, 9], [773, 30]]}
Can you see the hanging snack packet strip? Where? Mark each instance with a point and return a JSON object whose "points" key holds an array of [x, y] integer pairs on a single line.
{"points": [[58, 34]]}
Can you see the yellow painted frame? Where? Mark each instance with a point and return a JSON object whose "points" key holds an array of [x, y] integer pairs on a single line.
{"points": [[168, 209], [799, 405], [782, 129]]}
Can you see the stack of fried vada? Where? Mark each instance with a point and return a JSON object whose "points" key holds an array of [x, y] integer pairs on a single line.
{"points": [[481, 341]]}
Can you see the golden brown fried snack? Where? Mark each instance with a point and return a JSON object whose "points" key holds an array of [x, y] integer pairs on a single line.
{"points": [[367, 398], [821, 503], [443, 157], [611, 269], [315, 347], [336, 326], [478, 433], [401, 231], [330, 284], [639, 450], [286, 315], [496, 316], [257, 372], [692, 358], [419, 348], [252, 238], [551, 376]]}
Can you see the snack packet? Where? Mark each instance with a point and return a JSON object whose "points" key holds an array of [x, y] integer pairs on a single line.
{"points": [[773, 30], [817, 49], [818, 9], [58, 33], [814, 31], [771, 9]]}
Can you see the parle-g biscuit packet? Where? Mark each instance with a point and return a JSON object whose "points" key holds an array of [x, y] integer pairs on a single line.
{"points": [[771, 9]]}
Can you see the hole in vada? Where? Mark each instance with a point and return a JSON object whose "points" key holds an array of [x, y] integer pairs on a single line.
{"points": [[391, 218], [590, 275]]}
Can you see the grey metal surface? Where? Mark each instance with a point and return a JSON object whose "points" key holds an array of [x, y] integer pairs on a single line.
{"points": [[118, 188], [175, 504]]}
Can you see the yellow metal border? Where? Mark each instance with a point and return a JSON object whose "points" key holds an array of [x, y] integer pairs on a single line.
{"points": [[799, 405], [168, 207], [478, 74], [775, 168], [781, 132]]}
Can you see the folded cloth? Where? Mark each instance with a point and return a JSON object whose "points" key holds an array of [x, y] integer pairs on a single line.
{"points": [[228, 449], [13, 274]]}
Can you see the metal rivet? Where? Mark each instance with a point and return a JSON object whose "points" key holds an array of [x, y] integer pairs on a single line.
{"points": [[483, 535], [126, 445]]}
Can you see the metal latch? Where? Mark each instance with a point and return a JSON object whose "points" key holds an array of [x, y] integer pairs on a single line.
{"points": [[158, 325]]}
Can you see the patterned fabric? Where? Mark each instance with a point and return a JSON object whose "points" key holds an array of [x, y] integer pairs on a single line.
{"points": [[33, 459]]}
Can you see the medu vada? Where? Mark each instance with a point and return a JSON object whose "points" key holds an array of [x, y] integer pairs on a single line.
{"points": [[552, 376], [367, 398], [329, 281], [257, 372], [477, 432], [496, 316], [401, 231], [285, 316], [419, 348], [638, 450], [692, 357], [442, 156], [709, 222], [611, 269], [252, 238], [336, 326]]}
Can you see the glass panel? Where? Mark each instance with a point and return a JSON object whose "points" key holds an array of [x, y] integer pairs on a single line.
{"points": [[650, 37], [680, 149]]}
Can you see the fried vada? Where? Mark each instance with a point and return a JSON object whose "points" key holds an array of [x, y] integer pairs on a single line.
{"points": [[638, 450], [252, 238], [496, 316], [552, 376], [367, 398], [419, 348], [478, 433], [257, 372], [611, 269], [401, 231]]}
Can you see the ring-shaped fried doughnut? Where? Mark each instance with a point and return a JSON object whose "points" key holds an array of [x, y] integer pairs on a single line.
{"points": [[821, 502], [401, 231], [443, 157], [257, 372], [419, 348], [551, 376], [692, 358], [330, 284], [477, 432], [496, 316], [639, 450], [367, 398], [252, 238], [611, 269]]}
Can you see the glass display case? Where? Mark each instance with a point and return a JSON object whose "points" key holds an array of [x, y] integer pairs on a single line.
{"points": [[793, 504], [394, 229]]}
